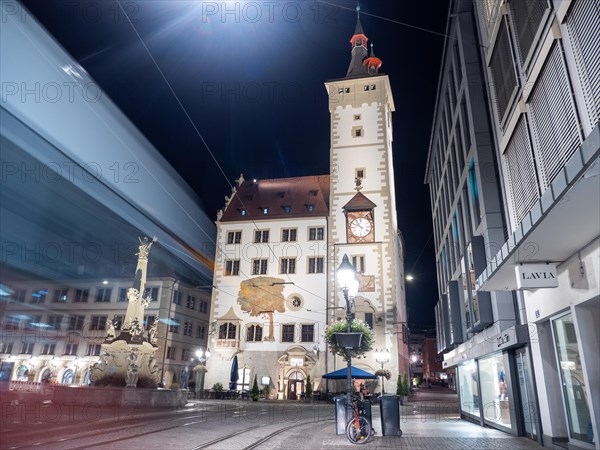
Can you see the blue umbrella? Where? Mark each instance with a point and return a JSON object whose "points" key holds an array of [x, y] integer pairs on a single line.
{"points": [[355, 372], [234, 374]]}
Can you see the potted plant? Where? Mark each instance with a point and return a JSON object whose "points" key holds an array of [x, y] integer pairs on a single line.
{"points": [[218, 389], [267, 391], [405, 388], [356, 326], [255, 393], [309, 390]]}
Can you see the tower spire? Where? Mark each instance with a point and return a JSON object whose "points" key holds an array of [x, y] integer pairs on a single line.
{"points": [[359, 49]]}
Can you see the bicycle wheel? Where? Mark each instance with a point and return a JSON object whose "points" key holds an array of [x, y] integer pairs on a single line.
{"points": [[360, 434]]}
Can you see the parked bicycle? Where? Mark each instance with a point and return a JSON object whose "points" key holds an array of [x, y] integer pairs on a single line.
{"points": [[358, 429]]}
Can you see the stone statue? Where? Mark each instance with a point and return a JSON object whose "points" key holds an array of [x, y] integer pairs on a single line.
{"points": [[153, 333], [144, 247], [132, 370], [133, 295], [134, 327], [111, 334]]}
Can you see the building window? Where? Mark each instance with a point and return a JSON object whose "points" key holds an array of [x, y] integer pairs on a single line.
{"points": [[232, 267], [174, 326], [369, 319], [33, 323], [505, 80], [259, 266], [76, 323], [340, 90], [201, 332], [47, 349], [474, 190], [39, 296], [103, 295], [19, 295], [234, 237], [93, 350], [366, 87], [287, 209], [60, 295], [356, 116], [347, 90], [118, 321], [373, 87], [243, 211], [153, 292], [171, 352], [148, 322], [81, 295], [357, 131], [316, 233], [27, 348], [54, 322], [261, 236], [191, 302], [203, 306], [122, 295], [254, 333], [308, 333], [185, 354], [359, 173], [187, 328], [227, 330], [310, 207], [288, 235], [359, 263], [71, 349], [316, 265], [287, 333], [6, 348], [98, 323], [177, 296], [265, 210], [288, 265]]}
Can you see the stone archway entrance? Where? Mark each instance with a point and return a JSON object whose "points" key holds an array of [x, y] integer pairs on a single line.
{"points": [[295, 385]]}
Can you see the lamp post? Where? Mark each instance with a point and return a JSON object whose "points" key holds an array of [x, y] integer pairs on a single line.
{"points": [[200, 368], [346, 275], [382, 357]]}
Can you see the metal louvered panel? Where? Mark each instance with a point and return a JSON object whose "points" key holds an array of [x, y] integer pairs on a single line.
{"points": [[503, 71], [520, 168], [583, 24], [555, 128], [527, 16]]}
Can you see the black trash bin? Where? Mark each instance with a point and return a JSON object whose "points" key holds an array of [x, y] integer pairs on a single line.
{"points": [[342, 418], [390, 415]]}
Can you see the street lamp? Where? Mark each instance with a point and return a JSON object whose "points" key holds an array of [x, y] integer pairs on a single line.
{"points": [[346, 276], [200, 369], [382, 357]]}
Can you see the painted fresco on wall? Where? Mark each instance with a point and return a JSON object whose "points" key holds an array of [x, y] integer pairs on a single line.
{"points": [[262, 296]]}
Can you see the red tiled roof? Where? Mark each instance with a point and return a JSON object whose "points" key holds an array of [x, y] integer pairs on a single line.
{"points": [[278, 194]]}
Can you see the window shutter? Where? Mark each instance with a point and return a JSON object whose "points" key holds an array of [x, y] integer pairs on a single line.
{"points": [[555, 128], [583, 24], [520, 170]]}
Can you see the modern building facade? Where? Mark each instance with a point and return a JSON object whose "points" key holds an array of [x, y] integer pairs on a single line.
{"points": [[538, 69], [491, 372], [80, 185], [280, 242], [543, 78]]}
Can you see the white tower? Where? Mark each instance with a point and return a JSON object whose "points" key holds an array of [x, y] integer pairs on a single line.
{"points": [[363, 221]]}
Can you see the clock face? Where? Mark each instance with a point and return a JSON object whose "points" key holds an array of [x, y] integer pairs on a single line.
{"points": [[360, 227]]}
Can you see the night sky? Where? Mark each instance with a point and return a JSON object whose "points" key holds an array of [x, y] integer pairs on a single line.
{"points": [[247, 87]]}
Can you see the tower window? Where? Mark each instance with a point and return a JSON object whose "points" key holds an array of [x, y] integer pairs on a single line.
{"points": [[340, 90], [359, 173], [357, 131], [373, 86], [356, 116], [347, 90], [366, 87]]}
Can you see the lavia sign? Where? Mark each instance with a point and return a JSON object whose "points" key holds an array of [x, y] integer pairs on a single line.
{"points": [[536, 276]]}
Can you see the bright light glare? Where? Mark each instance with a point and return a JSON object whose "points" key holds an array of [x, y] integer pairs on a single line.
{"points": [[409, 277]]}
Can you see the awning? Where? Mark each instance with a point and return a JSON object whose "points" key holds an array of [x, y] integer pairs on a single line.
{"points": [[355, 372]]}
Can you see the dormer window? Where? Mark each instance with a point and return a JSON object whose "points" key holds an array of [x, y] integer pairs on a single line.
{"points": [[287, 209], [310, 207], [265, 210], [243, 211], [313, 193]]}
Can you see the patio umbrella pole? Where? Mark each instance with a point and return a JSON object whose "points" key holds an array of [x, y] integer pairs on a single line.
{"points": [[348, 350]]}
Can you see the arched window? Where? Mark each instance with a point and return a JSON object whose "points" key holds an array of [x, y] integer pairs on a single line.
{"points": [[254, 334], [67, 377], [227, 330]]}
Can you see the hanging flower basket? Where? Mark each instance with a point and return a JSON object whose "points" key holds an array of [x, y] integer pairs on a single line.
{"points": [[357, 326], [384, 373]]}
